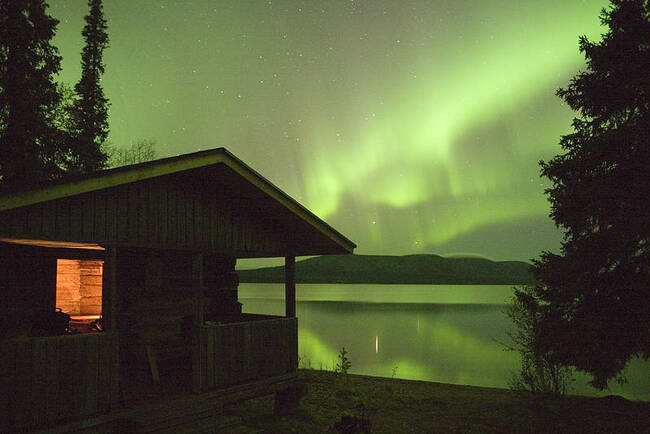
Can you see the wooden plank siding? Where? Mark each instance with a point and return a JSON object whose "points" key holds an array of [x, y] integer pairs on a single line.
{"points": [[27, 286], [49, 219], [235, 353], [155, 213], [51, 379]]}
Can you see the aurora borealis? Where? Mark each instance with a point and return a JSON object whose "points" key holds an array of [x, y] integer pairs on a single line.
{"points": [[409, 126]]}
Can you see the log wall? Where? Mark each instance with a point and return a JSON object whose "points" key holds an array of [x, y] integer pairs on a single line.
{"points": [[157, 303], [48, 380], [229, 354], [155, 308], [68, 285], [90, 287], [79, 286]]}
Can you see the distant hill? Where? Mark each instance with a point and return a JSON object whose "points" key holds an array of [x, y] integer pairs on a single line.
{"points": [[421, 269]]}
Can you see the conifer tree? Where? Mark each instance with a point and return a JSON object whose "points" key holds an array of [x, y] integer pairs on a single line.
{"points": [[90, 111], [592, 303], [30, 144]]}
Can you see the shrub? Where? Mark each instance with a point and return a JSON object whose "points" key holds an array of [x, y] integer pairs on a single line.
{"points": [[344, 364], [539, 372]]}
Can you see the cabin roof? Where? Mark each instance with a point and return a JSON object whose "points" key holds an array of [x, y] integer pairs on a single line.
{"points": [[190, 164]]}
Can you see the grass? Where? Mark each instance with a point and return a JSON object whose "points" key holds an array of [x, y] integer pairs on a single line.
{"points": [[394, 405]]}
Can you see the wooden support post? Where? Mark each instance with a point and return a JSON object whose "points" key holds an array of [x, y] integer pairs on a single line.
{"points": [[198, 375], [197, 288], [153, 363], [109, 290], [51, 283], [110, 324], [290, 286]]}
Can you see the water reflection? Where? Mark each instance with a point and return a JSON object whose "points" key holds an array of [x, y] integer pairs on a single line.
{"points": [[447, 340]]}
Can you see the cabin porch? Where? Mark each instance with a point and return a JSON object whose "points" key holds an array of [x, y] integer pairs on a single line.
{"points": [[74, 380], [259, 346], [111, 376]]}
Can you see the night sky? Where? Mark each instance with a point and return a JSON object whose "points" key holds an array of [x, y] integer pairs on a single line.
{"points": [[409, 126]]}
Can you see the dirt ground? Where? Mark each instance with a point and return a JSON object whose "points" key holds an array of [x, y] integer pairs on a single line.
{"points": [[385, 405]]}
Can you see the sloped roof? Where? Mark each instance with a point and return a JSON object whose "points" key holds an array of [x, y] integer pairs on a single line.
{"points": [[186, 163]]}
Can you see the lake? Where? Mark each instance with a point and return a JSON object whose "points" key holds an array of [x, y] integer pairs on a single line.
{"points": [[443, 333]]}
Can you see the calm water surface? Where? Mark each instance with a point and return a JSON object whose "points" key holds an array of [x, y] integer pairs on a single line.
{"points": [[444, 333]]}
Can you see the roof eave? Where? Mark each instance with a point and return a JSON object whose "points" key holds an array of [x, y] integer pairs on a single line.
{"points": [[167, 166]]}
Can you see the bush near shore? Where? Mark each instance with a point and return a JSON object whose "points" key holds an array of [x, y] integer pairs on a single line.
{"points": [[398, 406]]}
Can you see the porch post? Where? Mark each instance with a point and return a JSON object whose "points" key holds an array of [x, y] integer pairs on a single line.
{"points": [[198, 376], [197, 287], [110, 324], [109, 289], [290, 286]]}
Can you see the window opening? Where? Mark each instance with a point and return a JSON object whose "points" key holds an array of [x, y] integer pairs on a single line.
{"points": [[79, 293]]}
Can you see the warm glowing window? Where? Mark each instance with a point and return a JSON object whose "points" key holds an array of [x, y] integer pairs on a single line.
{"points": [[79, 288]]}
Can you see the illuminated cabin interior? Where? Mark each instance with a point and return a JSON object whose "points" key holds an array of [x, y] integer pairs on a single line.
{"points": [[79, 292], [47, 276]]}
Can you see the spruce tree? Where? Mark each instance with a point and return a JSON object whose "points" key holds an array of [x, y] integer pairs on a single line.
{"points": [[592, 303], [90, 111], [30, 143]]}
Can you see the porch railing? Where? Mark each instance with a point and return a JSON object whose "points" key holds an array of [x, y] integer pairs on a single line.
{"points": [[233, 353], [46, 380]]}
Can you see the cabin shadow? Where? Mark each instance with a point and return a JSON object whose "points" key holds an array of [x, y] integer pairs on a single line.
{"points": [[119, 296]]}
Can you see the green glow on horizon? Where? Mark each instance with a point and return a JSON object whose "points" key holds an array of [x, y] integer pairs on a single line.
{"points": [[421, 125]]}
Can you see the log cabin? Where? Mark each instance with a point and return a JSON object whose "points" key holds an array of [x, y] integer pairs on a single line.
{"points": [[119, 295]]}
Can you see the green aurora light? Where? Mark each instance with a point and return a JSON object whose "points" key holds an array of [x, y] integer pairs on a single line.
{"points": [[411, 126]]}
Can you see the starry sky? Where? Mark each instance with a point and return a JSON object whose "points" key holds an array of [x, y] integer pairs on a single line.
{"points": [[410, 126]]}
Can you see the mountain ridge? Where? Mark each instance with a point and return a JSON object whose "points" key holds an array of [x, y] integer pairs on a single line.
{"points": [[408, 269]]}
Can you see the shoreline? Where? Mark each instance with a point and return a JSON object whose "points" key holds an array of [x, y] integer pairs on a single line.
{"points": [[397, 405]]}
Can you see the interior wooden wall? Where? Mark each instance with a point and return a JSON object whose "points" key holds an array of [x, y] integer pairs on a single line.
{"points": [[155, 308], [68, 286], [79, 286], [220, 285]]}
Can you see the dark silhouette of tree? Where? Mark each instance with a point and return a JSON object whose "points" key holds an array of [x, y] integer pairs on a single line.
{"points": [[31, 146], [592, 301], [62, 113], [139, 151], [538, 371], [90, 111]]}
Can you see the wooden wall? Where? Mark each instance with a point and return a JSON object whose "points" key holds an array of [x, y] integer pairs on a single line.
{"points": [[167, 212], [229, 354], [155, 307], [27, 286], [220, 284], [59, 378], [79, 286]]}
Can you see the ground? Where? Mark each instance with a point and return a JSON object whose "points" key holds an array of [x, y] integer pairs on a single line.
{"points": [[399, 406]]}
